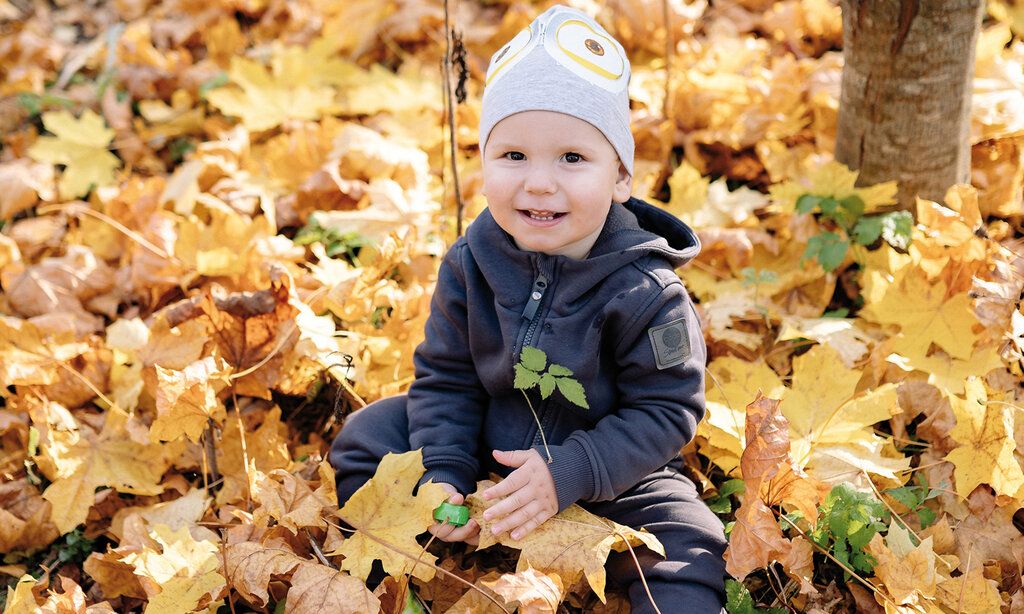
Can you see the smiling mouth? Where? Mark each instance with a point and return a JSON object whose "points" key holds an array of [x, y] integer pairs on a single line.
{"points": [[542, 216]]}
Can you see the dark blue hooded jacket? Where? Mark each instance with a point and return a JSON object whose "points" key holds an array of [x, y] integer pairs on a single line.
{"points": [[621, 320]]}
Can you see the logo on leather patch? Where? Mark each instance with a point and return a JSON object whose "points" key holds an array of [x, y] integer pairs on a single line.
{"points": [[671, 343]]}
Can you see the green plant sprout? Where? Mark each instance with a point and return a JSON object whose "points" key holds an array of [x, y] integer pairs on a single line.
{"points": [[530, 373], [829, 248], [847, 521]]}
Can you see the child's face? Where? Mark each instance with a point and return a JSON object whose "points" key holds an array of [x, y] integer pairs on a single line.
{"points": [[556, 166]]}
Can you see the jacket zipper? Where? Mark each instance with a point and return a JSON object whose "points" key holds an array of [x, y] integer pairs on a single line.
{"points": [[530, 313]]}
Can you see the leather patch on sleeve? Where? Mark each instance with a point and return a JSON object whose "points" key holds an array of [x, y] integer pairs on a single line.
{"points": [[671, 343]]}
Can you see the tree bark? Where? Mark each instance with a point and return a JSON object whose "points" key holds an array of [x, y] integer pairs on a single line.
{"points": [[904, 110]]}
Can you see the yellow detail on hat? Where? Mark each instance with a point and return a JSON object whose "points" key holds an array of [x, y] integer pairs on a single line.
{"points": [[583, 61]]}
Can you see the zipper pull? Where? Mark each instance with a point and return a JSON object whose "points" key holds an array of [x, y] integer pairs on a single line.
{"points": [[536, 294]]}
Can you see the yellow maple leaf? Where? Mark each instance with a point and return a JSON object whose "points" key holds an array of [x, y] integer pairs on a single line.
{"points": [[266, 99], [830, 423], [908, 572], [985, 455], [186, 400], [82, 145], [925, 315], [970, 593], [82, 460], [30, 356], [20, 598], [571, 544], [947, 373], [183, 575], [385, 508], [837, 181]]}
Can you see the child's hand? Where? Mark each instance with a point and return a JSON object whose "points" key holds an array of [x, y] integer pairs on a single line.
{"points": [[529, 494], [450, 533]]}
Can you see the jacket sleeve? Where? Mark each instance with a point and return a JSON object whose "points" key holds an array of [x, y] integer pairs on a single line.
{"points": [[446, 399], [659, 408]]}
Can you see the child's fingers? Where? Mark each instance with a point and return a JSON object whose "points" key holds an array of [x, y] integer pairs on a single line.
{"points": [[512, 458], [450, 533], [517, 520], [515, 481], [507, 505]]}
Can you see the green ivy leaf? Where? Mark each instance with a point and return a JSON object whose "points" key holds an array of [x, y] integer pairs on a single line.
{"points": [[737, 598], [732, 487], [910, 496], [547, 385], [867, 230], [558, 370], [828, 248], [897, 228], [525, 378], [573, 391], [926, 516], [807, 202], [853, 204], [533, 358]]}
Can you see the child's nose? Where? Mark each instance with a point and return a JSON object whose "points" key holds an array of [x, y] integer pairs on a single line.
{"points": [[539, 180]]}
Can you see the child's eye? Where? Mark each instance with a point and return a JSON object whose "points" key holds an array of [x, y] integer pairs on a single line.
{"points": [[512, 155], [573, 158]]}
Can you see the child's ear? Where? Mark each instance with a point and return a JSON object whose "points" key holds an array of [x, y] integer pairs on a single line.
{"points": [[623, 185]]}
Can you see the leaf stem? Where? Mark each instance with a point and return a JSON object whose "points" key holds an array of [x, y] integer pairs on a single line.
{"points": [[540, 429]]}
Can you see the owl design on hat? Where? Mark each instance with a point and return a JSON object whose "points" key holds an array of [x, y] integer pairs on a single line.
{"points": [[572, 39]]}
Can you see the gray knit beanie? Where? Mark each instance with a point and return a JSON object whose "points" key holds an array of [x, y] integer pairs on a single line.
{"points": [[566, 62]]}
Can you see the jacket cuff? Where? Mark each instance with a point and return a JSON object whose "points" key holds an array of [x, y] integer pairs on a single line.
{"points": [[460, 476], [571, 471]]}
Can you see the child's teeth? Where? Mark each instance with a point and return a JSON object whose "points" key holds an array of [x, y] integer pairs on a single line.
{"points": [[543, 216]]}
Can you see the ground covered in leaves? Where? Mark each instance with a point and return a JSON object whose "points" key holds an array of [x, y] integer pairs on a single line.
{"points": [[221, 223]]}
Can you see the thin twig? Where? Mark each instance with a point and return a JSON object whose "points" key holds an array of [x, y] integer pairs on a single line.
{"points": [[639, 570], [540, 428], [210, 454], [77, 208], [450, 112], [245, 450], [317, 551]]}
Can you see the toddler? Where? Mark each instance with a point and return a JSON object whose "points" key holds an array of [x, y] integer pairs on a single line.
{"points": [[564, 260]]}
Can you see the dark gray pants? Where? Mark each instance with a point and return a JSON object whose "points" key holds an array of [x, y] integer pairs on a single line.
{"points": [[689, 579]]}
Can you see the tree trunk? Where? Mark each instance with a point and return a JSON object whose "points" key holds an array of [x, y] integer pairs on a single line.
{"points": [[904, 111]]}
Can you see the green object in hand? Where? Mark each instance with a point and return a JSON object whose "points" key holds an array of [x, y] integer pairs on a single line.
{"points": [[457, 515]]}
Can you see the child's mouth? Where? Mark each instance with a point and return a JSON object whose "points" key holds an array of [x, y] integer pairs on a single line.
{"points": [[541, 218]]}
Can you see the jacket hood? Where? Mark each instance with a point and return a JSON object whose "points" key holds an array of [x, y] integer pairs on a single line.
{"points": [[633, 230]]}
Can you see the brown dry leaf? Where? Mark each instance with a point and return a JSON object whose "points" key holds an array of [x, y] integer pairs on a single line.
{"points": [[908, 572], [317, 589], [24, 518], [756, 538], [386, 509], [475, 600], [289, 500], [71, 600], [249, 567], [22, 184], [971, 593], [247, 329], [186, 400], [536, 593], [266, 447], [31, 356], [81, 460], [571, 544]]}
